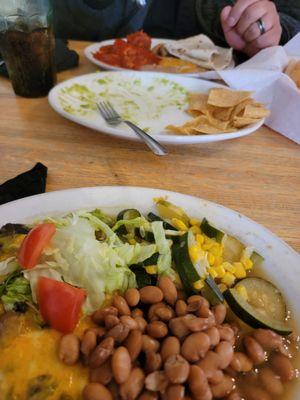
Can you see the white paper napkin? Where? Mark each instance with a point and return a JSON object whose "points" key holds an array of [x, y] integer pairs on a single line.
{"points": [[263, 74]]}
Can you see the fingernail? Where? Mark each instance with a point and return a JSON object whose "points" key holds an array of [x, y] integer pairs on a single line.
{"points": [[231, 21]]}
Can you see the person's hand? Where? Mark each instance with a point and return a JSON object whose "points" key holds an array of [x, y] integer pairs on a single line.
{"points": [[241, 29]]}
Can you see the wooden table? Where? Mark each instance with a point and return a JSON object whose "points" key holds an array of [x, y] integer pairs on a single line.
{"points": [[258, 175]]}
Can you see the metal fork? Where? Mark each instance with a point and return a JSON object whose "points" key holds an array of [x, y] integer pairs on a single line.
{"points": [[113, 118]]}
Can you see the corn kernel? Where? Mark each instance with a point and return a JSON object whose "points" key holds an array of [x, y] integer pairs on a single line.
{"points": [[200, 239], [194, 221], [195, 229], [228, 279], [198, 285], [218, 261], [132, 241], [229, 267], [222, 287], [181, 226], [242, 291], [151, 269], [220, 271], [216, 250], [240, 271], [211, 258], [248, 264], [207, 246], [194, 253], [213, 273]]}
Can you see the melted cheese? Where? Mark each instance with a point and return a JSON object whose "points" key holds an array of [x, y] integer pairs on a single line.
{"points": [[34, 354]]}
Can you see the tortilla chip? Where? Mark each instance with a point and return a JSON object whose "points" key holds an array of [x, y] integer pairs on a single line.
{"points": [[239, 109], [227, 98], [198, 101], [255, 110], [293, 71], [215, 122], [241, 122], [221, 113]]}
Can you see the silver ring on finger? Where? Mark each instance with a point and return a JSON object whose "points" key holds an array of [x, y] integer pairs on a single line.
{"points": [[261, 26]]}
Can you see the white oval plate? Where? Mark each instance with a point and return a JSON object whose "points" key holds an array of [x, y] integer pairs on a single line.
{"points": [[156, 126], [282, 263]]}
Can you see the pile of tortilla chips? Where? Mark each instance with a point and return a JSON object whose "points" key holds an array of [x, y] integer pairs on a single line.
{"points": [[220, 111]]}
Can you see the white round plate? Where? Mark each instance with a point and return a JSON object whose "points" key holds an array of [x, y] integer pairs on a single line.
{"points": [[93, 48], [282, 263], [155, 125]]}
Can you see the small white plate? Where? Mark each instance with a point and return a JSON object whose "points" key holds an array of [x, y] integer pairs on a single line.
{"points": [[151, 115], [93, 48]]}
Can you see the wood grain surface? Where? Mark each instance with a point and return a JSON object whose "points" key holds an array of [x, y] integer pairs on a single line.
{"points": [[258, 175]]}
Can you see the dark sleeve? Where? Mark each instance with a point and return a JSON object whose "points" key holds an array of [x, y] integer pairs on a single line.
{"points": [[96, 19], [290, 28]]}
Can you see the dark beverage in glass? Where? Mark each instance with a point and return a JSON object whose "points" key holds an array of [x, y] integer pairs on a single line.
{"points": [[27, 47]]}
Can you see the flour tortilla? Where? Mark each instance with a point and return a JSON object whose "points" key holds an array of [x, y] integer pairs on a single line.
{"points": [[201, 51]]}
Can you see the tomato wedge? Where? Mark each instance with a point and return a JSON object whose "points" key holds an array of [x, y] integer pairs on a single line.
{"points": [[60, 304], [34, 243]]}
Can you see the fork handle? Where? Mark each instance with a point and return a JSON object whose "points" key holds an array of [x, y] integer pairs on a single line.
{"points": [[156, 147]]}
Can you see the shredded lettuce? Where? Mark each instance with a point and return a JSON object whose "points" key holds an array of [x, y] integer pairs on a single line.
{"points": [[78, 258], [164, 263], [15, 290], [8, 266]]}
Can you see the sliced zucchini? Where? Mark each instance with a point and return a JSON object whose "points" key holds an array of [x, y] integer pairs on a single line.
{"points": [[169, 211], [127, 214], [212, 232], [233, 248], [188, 273], [264, 306], [212, 292], [152, 217], [257, 259]]}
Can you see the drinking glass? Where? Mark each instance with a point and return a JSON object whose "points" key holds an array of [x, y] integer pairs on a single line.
{"points": [[27, 45]]}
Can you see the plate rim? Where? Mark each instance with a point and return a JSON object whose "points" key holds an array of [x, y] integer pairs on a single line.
{"points": [[163, 138]]}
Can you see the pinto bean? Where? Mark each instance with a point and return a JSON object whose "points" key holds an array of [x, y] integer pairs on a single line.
{"points": [[200, 324], [283, 367], [210, 364], [96, 391], [149, 344], [198, 384], [169, 289], [110, 321], [132, 297], [204, 311], [102, 374], [99, 331], [268, 339], [121, 364], [142, 323], [175, 392], [153, 362], [69, 349], [152, 311], [178, 326], [101, 353], [133, 343], [157, 381], [226, 333], [216, 377], [254, 350], [220, 313], [170, 347], [151, 294], [164, 313], [223, 388], [137, 312], [195, 297], [234, 396], [270, 381], [147, 395], [89, 342], [119, 332], [130, 389], [214, 336], [157, 329], [255, 393], [195, 346], [225, 352], [129, 321], [241, 362], [121, 305], [99, 315], [194, 306], [181, 308], [177, 369]]}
